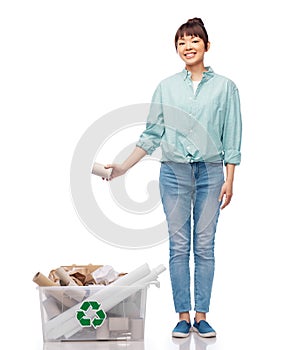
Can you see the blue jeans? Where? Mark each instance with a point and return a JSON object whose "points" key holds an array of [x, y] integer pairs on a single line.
{"points": [[191, 190]]}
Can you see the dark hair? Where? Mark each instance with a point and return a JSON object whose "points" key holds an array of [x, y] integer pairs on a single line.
{"points": [[193, 27]]}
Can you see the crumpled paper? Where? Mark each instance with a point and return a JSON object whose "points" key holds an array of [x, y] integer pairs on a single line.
{"points": [[105, 275], [85, 275]]}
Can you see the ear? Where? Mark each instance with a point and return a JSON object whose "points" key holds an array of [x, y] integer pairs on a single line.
{"points": [[208, 46]]}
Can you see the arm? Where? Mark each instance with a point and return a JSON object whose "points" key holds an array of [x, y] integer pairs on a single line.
{"points": [[231, 144], [120, 169], [149, 140], [227, 188], [232, 130]]}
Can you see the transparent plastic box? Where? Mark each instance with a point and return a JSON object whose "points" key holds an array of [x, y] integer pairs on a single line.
{"points": [[88, 313]]}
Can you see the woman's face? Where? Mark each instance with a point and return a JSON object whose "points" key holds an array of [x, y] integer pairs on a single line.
{"points": [[191, 49]]}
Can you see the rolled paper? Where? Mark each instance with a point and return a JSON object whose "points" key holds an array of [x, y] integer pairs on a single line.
{"points": [[131, 277], [52, 307], [58, 294], [66, 322], [43, 281], [124, 293], [75, 293], [152, 276], [65, 277], [99, 170]]}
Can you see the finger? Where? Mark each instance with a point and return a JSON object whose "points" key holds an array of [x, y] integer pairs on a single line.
{"points": [[224, 205], [111, 177], [109, 166], [227, 201]]}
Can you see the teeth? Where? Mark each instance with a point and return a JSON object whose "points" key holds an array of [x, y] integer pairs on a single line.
{"points": [[189, 54]]}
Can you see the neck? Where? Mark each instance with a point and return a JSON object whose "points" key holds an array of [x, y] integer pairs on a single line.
{"points": [[196, 71]]}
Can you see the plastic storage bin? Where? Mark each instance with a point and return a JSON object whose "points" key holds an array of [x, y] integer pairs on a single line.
{"points": [[93, 313]]}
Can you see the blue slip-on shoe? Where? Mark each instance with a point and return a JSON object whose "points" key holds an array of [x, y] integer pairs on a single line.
{"points": [[203, 329], [181, 330]]}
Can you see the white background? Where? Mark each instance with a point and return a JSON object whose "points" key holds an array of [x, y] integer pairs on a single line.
{"points": [[66, 63]]}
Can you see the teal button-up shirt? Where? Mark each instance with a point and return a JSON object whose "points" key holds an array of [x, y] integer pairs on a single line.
{"points": [[189, 126]]}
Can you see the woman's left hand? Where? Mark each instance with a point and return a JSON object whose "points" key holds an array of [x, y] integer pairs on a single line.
{"points": [[227, 192]]}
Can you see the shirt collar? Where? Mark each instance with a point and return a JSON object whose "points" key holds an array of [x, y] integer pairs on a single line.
{"points": [[206, 75]]}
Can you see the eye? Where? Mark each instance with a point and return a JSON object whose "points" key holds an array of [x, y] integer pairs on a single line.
{"points": [[195, 41], [180, 44]]}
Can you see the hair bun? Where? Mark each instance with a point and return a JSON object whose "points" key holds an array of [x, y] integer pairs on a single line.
{"points": [[196, 20]]}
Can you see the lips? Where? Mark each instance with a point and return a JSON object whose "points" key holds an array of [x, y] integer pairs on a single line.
{"points": [[190, 54]]}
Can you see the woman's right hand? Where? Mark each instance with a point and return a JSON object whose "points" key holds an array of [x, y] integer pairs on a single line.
{"points": [[120, 169], [117, 170]]}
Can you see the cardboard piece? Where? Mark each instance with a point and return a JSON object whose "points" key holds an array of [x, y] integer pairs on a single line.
{"points": [[118, 323], [137, 328], [99, 170], [83, 273]]}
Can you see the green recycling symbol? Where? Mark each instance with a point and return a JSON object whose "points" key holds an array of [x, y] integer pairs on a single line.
{"points": [[84, 315]]}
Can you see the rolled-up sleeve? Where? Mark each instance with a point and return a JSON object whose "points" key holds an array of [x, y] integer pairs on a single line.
{"points": [[232, 130], [151, 137]]}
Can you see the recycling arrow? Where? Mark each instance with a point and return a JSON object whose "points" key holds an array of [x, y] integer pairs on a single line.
{"points": [[84, 315]]}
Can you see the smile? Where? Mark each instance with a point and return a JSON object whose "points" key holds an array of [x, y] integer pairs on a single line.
{"points": [[190, 54]]}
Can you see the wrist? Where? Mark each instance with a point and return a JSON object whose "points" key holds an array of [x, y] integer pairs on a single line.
{"points": [[230, 169], [124, 167]]}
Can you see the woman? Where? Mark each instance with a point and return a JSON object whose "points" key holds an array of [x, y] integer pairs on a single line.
{"points": [[195, 117]]}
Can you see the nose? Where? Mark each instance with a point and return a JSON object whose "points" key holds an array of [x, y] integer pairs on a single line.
{"points": [[188, 46]]}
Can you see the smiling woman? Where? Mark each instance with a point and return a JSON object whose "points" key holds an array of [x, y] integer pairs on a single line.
{"points": [[195, 118], [192, 42]]}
